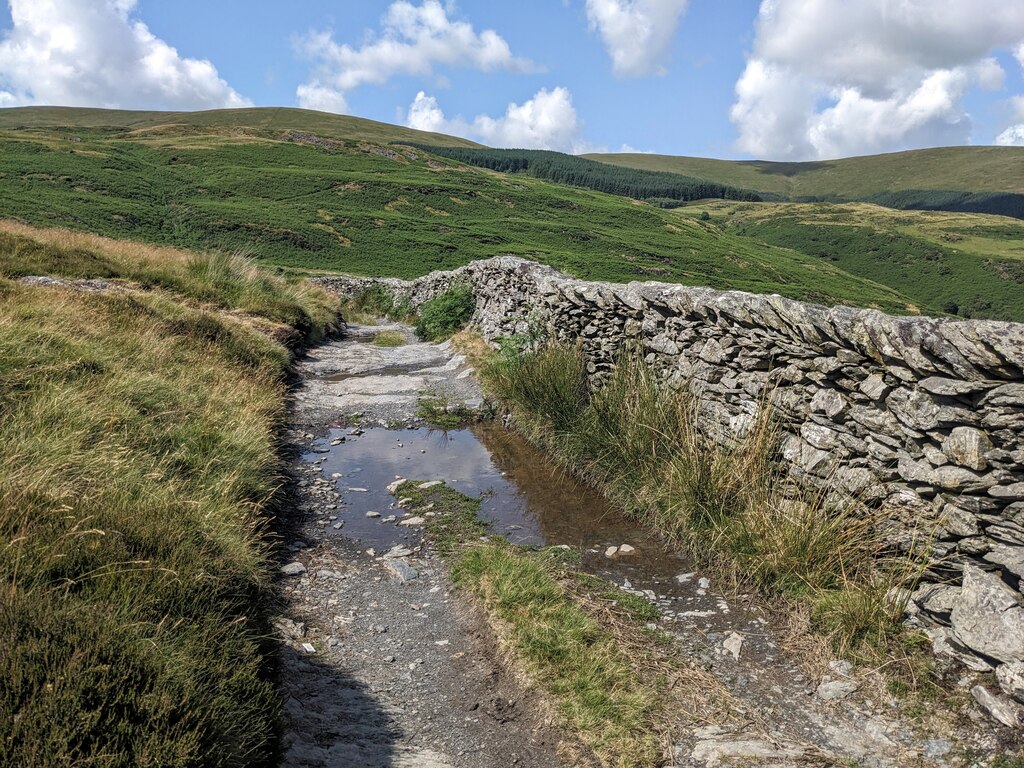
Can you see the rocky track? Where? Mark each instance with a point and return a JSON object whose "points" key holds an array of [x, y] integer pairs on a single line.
{"points": [[384, 665]]}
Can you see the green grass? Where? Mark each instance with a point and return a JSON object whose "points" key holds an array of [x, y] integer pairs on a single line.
{"points": [[640, 442], [445, 314], [139, 467], [581, 642], [348, 208], [389, 339], [970, 169], [962, 264]]}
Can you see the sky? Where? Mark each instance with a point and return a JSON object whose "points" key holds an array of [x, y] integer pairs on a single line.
{"points": [[771, 79]]}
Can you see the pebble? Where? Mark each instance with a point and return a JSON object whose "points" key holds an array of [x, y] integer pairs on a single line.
{"points": [[373, 514], [411, 521], [293, 569]]}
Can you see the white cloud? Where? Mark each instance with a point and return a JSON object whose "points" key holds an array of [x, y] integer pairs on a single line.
{"points": [[828, 78], [412, 41], [98, 53], [636, 33], [546, 121], [1014, 135]]}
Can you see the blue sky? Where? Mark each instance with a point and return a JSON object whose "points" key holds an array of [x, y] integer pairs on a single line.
{"points": [[781, 79]]}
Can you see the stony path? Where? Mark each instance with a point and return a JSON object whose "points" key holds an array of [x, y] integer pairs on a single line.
{"points": [[385, 666], [380, 669]]}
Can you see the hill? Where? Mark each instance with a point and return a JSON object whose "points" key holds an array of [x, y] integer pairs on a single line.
{"points": [[980, 179], [346, 203], [966, 264], [265, 120]]}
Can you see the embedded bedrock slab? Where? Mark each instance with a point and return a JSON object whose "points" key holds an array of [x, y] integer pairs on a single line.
{"points": [[924, 416]]}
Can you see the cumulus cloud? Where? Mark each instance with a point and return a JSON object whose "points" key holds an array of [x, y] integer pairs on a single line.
{"points": [[546, 121], [98, 53], [828, 78], [1013, 136], [413, 40], [636, 33]]}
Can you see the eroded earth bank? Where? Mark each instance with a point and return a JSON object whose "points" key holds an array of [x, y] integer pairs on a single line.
{"points": [[386, 664]]}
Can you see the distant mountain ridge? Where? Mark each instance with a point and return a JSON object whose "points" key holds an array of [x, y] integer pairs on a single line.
{"points": [[970, 179]]}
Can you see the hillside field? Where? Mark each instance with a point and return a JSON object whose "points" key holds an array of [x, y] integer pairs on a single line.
{"points": [[312, 203], [311, 192]]}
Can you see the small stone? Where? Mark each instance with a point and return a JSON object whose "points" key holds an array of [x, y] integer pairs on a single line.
{"points": [[358, 490], [626, 549], [429, 485], [338, 441], [412, 521], [338, 525], [967, 447], [402, 570], [371, 513], [398, 551], [1000, 708], [1011, 679], [293, 569], [308, 648], [389, 659], [835, 690], [611, 551], [1012, 491], [393, 487], [874, 386], [733, 644], [841, 667]]}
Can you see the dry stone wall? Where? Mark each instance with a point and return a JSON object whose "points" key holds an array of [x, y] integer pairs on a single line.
{"points": [[923, 416]]}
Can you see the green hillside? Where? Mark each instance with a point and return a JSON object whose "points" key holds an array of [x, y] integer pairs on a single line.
{"points": [[967, 169], [349, 204], [967, 264], [265, 120]]}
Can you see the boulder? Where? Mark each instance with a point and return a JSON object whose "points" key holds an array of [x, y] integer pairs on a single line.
{"points": [[988, 616]]}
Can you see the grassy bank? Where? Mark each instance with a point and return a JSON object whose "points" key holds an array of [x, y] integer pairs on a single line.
{"points": [[607, 680], [640, 442], [139, 462]]}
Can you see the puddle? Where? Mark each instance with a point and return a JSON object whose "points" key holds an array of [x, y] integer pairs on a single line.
{"points": [[387, 370], [526, 498]]}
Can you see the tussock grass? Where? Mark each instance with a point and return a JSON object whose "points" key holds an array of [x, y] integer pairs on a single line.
{"points": [[389, 339], [221, 280], [640, 441], [138, 465]]}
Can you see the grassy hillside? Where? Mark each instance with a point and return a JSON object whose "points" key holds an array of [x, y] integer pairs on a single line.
{"points": [[969, 265], [353, 205], [269, 121], [967, 169], [139, 432]]}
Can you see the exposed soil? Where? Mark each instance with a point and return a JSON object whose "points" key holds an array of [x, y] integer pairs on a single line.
{"points": [[384, 665]]}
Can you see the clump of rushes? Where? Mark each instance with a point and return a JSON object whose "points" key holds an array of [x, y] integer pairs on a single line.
{"points": [[639, 441], [445, 314], [582, 642], [389, 339], [139, 433]]}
